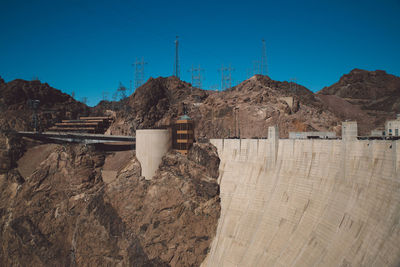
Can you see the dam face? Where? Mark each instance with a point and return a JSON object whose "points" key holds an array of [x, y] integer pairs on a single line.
{"points": [[308, 203]]}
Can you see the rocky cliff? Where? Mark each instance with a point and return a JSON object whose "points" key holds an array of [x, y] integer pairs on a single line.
{"points": [[64, 213]]}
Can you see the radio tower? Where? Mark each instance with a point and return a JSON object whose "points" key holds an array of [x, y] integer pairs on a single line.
{"points": [[196, 76], [264, 66], [139, 72], [176, 63], [226, 77]]}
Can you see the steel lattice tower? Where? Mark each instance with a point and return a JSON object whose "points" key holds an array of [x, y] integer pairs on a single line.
{"points": [[264, 66], [226, 77], [176, 63], [139, 72], [197, 77]]}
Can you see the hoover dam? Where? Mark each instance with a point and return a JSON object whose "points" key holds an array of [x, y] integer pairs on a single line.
{"points": [[288, 202]]}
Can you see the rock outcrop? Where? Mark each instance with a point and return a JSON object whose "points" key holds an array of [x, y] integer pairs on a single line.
{"points": [[65, 214], [247, 109], [369, 97], [54, 105]]}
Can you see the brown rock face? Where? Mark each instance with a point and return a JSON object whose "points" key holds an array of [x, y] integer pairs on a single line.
{"points": [[248, 108], [369, 97], [11, 149], [174, 215], [64, 214], [54, 105], [362, 84]]}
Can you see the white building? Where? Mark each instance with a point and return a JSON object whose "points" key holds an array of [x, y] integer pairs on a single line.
{"points": [[392, 127]]}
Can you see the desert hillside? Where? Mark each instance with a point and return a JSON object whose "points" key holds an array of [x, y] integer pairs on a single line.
{"points": [[246, 110], [370, 97], [54, 105]]}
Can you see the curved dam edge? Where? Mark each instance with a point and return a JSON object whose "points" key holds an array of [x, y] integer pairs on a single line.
{"points": [[288, 202]]}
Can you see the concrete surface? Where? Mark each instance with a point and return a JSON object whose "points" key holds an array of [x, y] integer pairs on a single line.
{"points": [[288, 100], [323, 203], [151, 146], [349, 130]]}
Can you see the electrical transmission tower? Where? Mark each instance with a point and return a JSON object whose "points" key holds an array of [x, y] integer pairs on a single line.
{"points": [[139, 72], [197, 77], [226, 77], [176, 63], [264, 66]]}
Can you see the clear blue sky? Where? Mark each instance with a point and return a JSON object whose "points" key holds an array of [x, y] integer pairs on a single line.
{"points": [[89, 46]]}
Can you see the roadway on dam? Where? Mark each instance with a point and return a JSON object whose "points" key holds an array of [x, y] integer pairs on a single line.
{"points": [[313, 203]]}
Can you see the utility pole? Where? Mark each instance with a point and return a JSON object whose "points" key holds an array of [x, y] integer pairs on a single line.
{"points": [[139, 72], [226, 77], [264, 66], [176, 63], [196, 76]]}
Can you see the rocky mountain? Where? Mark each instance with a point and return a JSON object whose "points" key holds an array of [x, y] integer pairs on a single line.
{"points": [[247, 109], [363, 84], [54, 105], [370, 97], [66, 212], [74, 205]]}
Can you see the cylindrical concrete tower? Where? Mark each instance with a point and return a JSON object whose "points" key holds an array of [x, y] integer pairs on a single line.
{"points": [[151, 146]]}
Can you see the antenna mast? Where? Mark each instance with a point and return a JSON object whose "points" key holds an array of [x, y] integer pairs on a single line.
{"points": [[176, 64]]}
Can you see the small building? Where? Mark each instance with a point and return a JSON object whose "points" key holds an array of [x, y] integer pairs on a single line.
{"points": [[311, 135], [349, 130], [183, 134], [392, 127]]}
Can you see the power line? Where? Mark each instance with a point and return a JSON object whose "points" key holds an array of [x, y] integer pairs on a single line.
{"points": [[139, 72], [197, 77], [176, 63]]}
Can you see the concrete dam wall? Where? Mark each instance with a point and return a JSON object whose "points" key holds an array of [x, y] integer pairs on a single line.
{"points": [[308, 203]]}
